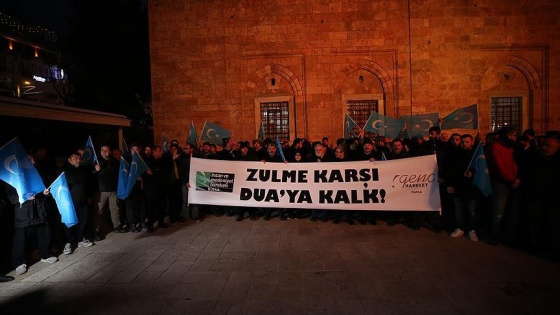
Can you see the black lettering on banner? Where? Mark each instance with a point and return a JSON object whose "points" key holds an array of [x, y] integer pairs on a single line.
{"points": [[341, 196], [325, 196], [292, 194], [305, 197], [285, 176], [251, 177], [320, 176], [259, 194], [350, 175], [371, 196]]}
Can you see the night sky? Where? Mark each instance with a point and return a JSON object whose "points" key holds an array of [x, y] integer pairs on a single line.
{"points": [[55, 15]]}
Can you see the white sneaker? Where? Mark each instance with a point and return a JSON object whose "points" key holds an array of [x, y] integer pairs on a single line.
{"points": [[85, 243], [457, 233], [472, 236], [67, 249], [50, 260], [21, 269]]}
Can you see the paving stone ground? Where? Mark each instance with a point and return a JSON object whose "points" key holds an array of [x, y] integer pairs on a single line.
{"points": [[220, 266]]}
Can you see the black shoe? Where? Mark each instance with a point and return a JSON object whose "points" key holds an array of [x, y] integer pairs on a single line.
{"points": [[252, 218], [119, 229], [181, 220], [239, 219], [97, 236], [336, 221], [163, 225], [372, 222], [313, 219], [133, 229], [6, 278], [283, 218], [266, 217], [350, 221], [150, 229], [362, 221], [324, 219]]}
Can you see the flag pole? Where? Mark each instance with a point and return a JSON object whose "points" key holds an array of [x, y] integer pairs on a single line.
{"points": [[49, 188], [8, 143], [472, 159]]}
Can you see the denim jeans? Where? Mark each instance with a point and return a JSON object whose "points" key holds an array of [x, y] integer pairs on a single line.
{"points": [[505, 204], [465, 206]]}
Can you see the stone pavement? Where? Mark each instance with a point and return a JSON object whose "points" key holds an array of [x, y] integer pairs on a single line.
{"points": [[220, 266]]}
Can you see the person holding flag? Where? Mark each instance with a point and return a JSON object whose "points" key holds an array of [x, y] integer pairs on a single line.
{"points": [[89, 155], [459, 184], [25, 191], [31, 218], [81, 192], [107, 172], [135, 195]]}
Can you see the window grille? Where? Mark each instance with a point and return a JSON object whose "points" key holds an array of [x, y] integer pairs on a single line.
{"points": [[506, 112], [275, 117], [360, 110]]}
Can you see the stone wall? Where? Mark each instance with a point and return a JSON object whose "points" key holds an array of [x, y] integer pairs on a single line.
{"points": [[212, 58]]}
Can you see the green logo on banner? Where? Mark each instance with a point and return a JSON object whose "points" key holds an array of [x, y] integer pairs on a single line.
{"points": [[210, 181]]}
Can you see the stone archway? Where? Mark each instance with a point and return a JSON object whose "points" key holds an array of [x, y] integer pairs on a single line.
{"points": [[513, 74], [387, 82], [268, 83]]}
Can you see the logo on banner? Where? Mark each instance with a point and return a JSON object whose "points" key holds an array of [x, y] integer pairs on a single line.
{"points": [[219, 182], [414, 181]]}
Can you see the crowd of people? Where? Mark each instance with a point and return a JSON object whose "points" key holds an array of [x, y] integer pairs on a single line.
{"points": [[521, 210]]}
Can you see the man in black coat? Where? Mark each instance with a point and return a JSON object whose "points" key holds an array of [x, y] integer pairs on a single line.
{"points": [[31, 220], [458, 182], [107, 171], [80, 191]]}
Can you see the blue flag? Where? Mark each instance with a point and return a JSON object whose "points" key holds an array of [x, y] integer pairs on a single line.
{"points": [[193, 136], [384, 126], [137, 168], [61, 194], [164, 144], [462, 118], [125, 151], [90, 156], [481, 177], [260, 136], [418, 125], [214, 133], [351, 129], [18, 171], [280, 151], [383, 157], [124, 168]]}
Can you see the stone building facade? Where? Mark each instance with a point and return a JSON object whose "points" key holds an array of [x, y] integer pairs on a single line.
{"points": [[221, 60]]}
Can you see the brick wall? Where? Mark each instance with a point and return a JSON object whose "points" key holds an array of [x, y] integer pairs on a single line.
{"points": [[212, 58]]}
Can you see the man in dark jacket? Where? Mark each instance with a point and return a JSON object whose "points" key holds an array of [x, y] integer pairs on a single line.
{"points": [[107, 171], [31, 219], [458, 182], [81, 194], [542, 199], [155, 185]]}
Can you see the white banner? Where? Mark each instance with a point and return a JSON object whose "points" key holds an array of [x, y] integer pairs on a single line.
{"points": [[395, 185]]}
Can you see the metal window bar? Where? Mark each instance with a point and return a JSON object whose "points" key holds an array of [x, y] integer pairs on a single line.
{"points": [[360, 110], [275, 117], [506, 112]]}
